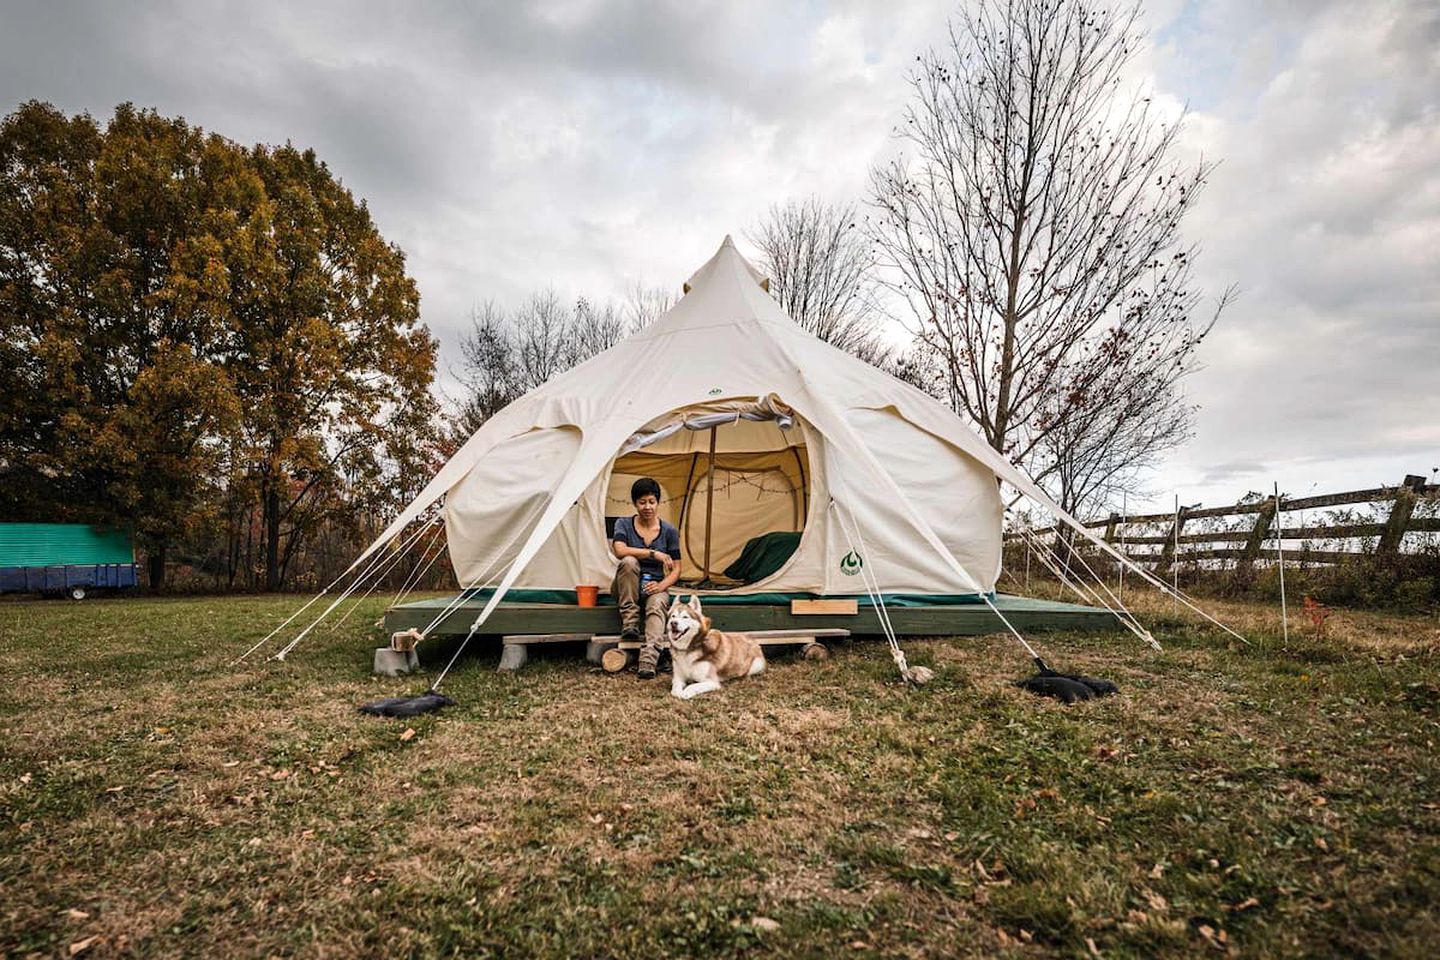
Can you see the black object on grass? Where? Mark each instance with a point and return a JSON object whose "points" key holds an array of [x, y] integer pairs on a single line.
{"points": [[1066, 687], [407, 706]]}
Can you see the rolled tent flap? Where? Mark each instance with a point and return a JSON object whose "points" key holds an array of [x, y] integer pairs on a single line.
{"points": [[703, 416]]}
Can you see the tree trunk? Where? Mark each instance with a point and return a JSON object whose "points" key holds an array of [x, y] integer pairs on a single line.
{"points": [[155, 567], [272, 539]]}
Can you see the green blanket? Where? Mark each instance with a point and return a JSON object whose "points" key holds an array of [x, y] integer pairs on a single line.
{"points": [[762, 556]]}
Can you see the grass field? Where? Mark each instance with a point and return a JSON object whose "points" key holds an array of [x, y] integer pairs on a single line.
{"points": [[1271, 800]]}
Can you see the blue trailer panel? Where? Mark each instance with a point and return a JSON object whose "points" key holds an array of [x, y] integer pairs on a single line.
{"points": [[59, 579], [64, 558]]}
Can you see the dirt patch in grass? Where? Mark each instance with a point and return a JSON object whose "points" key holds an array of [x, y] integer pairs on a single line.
{"points": [[1270, 799]]}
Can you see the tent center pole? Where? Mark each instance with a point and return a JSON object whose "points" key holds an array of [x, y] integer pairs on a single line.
{"points": [[709, 500]]}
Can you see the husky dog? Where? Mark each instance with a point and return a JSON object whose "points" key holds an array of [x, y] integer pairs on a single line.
{"points": [[703, 658]]}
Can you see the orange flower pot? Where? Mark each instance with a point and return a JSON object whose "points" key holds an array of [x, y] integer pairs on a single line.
{"points": [[587, 596]]}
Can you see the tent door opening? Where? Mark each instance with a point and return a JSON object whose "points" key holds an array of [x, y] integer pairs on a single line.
{"points": [[736, 487]]}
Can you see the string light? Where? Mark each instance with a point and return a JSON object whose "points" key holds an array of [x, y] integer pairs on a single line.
{"points": [[746, 479]]}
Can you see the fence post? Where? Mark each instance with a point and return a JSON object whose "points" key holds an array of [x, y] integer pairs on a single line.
{"points": [[1280, 565], [1167, 549], [1399, 517], [1258, 533]]}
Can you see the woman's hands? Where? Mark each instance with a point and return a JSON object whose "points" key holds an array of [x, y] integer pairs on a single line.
{"points": [[671, 567]]}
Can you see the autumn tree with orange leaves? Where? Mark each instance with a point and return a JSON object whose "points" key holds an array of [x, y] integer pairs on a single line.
{"points": [[192, 330]]}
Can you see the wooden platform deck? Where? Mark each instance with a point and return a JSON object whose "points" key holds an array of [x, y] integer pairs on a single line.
{"points": [[919, 621]]}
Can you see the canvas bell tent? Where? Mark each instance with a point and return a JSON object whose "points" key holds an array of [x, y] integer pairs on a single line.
{"points": [[805, 440], [850, 482]]}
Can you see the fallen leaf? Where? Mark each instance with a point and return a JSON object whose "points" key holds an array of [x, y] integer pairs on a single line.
{"points": [[74, 914], [232, 763], [280, 775], [409, 734], [1216, 938], [1094, 950], [1320, 842], [80, 946], [24, 778], [1157, 871], [765, 923], [1246, 904]]}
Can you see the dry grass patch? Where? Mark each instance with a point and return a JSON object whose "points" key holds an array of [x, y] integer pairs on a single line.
{"points": [[1264, 800]]}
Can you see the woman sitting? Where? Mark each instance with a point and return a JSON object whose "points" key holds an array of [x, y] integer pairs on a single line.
{"points": [[649, 552]]}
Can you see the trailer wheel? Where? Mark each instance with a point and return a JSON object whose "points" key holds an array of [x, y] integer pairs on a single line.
{"points": [[77, 593]]}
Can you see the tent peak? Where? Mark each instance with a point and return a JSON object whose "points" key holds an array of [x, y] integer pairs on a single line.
{"points": [[726, 254]]}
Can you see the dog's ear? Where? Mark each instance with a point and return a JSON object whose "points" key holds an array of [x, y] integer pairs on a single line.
{"points": [[675, 601], [695, 604]]}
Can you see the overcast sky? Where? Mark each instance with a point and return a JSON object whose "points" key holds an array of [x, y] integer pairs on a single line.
{"points": [[588, 146]]}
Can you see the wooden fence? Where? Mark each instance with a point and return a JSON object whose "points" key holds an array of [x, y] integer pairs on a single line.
{"points": [[1262, 524]]}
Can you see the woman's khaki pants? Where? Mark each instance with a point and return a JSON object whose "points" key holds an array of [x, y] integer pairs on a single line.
{"points": [[626, 590]]}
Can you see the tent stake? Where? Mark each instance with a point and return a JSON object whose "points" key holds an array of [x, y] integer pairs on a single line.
{"points": [[709, 500]]}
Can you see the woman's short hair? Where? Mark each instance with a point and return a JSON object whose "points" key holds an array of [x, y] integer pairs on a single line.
{"points": [[644, 486]]}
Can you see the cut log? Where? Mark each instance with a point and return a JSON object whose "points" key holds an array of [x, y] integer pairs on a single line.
{"points": [[614, 660], [816, 651]]}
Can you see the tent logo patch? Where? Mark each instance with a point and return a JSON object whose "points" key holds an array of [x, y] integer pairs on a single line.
{"points": [[851, 563], [715, 392]]}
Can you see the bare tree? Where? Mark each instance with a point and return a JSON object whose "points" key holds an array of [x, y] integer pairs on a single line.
{"points": [[489, 367], [819, 264], [644, 305], [1034, 233], [504, 356], [1097, 450]]}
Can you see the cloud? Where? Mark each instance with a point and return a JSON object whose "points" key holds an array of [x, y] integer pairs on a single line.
{"points": [[590, 144], [1326, 212]]}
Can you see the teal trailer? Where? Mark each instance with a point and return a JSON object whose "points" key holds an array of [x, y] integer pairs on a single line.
{"points": [[64, 558]]}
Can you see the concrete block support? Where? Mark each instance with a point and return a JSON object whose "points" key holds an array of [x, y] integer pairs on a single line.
{"points": [[513, 657], [395, 663]]}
